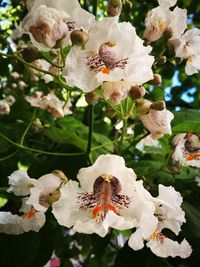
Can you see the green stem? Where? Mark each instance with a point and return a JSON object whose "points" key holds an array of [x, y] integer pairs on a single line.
{"points": [[27, 128], [40, 151], [122, 135], [9, 156], [89, 145]]}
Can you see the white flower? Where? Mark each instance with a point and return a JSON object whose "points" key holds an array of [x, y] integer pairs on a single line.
{"points": [[31, 220], [168, 209], [160, 19], [5, 105], [46, 187], [113, 53], [108, 196], [50, 102], [20, 183], [115, 91], [50, 22], [147, 141], [169, 215], [188, 48], [157, 122], [187, 149]]}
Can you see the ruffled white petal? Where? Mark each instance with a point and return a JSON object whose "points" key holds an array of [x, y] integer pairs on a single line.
{"points": [[20, 183], [170, 248]]}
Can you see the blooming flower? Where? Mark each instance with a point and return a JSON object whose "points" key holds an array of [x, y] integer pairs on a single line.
{"points": [[157, 122], [43, 65], [113, 53], [50, 22], [50, 102], [167, 3], [31, 220], [187, 149], [187, 47], [169, 215], [107, 197], [160, 19], [42, 192]]}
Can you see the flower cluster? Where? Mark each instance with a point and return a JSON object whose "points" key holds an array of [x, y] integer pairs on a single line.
{"points": [[106, 196]]}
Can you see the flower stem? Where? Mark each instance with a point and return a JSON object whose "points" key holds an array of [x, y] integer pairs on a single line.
{"points": [[40, 151], [95, 5], [89, 145], [27, 128]]}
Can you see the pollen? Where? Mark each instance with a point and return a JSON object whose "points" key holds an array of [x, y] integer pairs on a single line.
{"points": [[105, 70]]}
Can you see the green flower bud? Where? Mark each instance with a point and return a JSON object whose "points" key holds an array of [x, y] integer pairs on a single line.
{"points": [[79, 37]]}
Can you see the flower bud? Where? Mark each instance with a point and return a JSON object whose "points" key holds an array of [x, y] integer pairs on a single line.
{"points": [[91, 97], [4, 108], [61, 175], [158, 105], [30, 54], [137, 92], [142, 105], [157, 79], [113, 11], [79, 37], [127, 4]]}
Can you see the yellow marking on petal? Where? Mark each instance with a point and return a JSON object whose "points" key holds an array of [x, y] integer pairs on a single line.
{"points": [[190, 59], [162, 26], [105, 70], [111, 43], [107, 177], [154, 235]]}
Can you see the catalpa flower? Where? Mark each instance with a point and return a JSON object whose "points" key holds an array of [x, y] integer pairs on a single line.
{"points": [[30, 220], [113, 53], [49, 23], [158, 122], [160, 19], [187, 149], [42, 192], [187, 47], [108, 196], [169, 215], [147, 141], [50, 102], [167, 3]]}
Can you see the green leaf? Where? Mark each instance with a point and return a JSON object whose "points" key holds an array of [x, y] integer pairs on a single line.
{"points": [[185, 121]]}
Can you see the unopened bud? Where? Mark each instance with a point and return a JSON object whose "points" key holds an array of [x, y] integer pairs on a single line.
{"points": [[174, 166], [142, 105], [156, 79], [30, 54], [91, 97], [53, 70], [137, 92], [127, 4], [162, 60], [61, 175], [115, 3], [110, 113], [158, 105], [79, 37], [113, 11]]}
